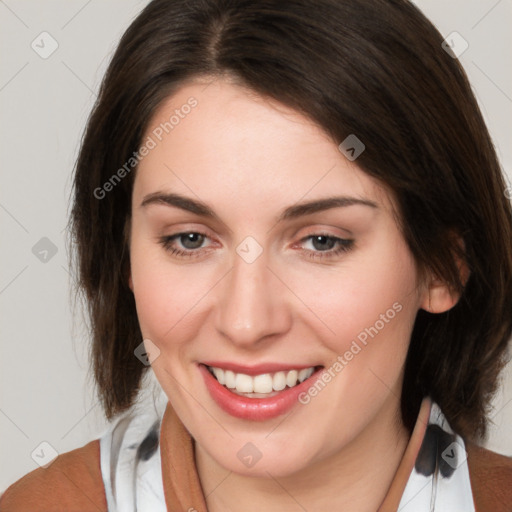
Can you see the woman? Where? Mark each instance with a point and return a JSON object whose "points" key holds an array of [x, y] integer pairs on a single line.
{"points": [[293, 212]]}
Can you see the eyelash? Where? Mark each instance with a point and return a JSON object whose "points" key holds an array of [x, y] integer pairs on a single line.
{"points": [[344, 245]]}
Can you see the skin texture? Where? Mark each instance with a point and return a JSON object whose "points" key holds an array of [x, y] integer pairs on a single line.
{"points": [[249, 158]]}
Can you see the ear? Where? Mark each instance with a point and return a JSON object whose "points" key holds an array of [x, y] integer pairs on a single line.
{"points": [[440, 296]]}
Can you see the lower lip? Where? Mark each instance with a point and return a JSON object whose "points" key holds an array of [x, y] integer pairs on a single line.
{"points": [[255, 409]]}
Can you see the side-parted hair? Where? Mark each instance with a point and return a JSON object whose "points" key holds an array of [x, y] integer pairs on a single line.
{"points": [[373, 68]]}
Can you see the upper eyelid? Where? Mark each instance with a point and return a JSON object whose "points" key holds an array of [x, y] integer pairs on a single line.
{"points": [[176, 236], [313, 229], [338, 239]]}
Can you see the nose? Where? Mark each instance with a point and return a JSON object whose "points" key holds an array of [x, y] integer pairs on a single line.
{"points": [[252, 307]]}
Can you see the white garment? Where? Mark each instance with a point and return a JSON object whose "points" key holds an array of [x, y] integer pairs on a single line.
{"points": [[132, 474], [448, 488], [131, 461]]}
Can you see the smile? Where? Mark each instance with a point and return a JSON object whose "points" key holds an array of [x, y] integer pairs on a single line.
{"points": [[262, 384], [257, 394]]}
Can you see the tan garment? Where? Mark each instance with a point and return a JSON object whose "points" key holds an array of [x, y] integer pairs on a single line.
{"points": [[491, 479], [73, 482]]}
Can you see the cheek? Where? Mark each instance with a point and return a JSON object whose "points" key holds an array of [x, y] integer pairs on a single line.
{"points": [[165, 295], [370, 297]]}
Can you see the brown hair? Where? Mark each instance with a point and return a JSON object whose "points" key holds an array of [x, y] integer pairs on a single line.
{"points": [[374, 68]]}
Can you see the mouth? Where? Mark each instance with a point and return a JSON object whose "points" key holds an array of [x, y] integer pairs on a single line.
{"points": [[264, 385], [258, 394]]}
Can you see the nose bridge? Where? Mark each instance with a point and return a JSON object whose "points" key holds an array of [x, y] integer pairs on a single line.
{"points": [[251, 306]]}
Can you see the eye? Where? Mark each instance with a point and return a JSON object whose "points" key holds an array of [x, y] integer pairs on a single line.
{"points": [[191, 240], [184, 244], [190, 244], [326, 246]]}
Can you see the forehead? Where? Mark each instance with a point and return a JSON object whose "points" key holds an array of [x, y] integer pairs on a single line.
{"points": [[221, 140]]}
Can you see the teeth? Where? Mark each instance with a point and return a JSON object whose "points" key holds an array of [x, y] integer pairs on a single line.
{"points": [[279, 381], [291, 378], [229, 377], [264, 383], [219, 375], [244, 383], [305, 374]]}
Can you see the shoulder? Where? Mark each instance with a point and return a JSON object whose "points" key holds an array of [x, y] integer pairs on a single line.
{"points": [[491, 479], [71, 483]]}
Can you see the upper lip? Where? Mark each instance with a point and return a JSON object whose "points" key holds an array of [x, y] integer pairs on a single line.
{"points": [[257, 369]]}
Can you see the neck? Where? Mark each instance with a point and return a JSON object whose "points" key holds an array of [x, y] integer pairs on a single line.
{"points": [[356, 478]]}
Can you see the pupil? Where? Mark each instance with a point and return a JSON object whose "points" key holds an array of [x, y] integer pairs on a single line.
{"points": [[192, 240], [323, 242]]}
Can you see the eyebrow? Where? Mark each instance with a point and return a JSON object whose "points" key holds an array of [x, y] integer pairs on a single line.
{"points": [[292, 212]]}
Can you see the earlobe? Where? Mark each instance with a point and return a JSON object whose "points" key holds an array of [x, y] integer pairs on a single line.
{"points": [[439, 297]]}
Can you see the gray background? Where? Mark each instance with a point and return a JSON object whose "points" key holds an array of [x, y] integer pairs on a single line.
{"points": [[46, 394]]}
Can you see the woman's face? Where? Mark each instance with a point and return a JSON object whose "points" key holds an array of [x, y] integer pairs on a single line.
{"points": [[259, 250]]}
